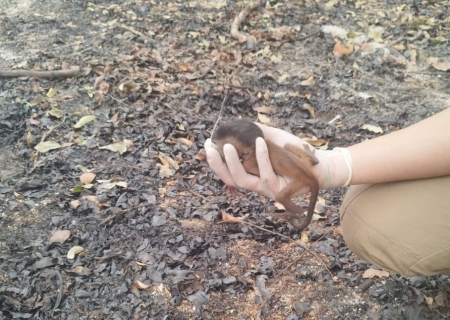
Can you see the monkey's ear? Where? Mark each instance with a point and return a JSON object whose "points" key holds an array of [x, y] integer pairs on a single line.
{"points": [[246, 154]]}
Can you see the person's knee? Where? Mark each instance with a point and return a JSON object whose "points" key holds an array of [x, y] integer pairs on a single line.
{"points": [[386, 226], [365, 235]]}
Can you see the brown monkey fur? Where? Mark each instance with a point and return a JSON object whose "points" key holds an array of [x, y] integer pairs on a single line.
{"points": [[290, 160]]}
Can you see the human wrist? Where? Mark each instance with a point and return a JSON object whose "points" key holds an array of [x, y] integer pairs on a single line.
{"points": [[334, 168]]}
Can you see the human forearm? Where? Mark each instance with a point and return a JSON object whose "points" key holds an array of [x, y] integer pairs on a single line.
{"points": [[419, 151]]}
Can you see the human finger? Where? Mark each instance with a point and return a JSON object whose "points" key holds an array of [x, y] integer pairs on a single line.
{"points": [[216, 163], [243, 179]]}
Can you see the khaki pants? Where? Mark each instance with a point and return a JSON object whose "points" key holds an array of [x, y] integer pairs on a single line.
{"points": [[402, 227]]}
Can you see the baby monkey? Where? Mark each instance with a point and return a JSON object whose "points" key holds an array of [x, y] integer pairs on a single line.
{"points": [[290, 160]]}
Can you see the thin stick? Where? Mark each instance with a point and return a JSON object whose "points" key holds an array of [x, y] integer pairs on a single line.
{"points": [[220, 113], [41, 74], [302, 244], [133, 30]]}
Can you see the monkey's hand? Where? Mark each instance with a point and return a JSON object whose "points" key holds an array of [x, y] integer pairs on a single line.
{"points": [[333, 170]]}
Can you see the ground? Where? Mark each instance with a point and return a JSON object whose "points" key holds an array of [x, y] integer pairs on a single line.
{"points": [[143, 214]]}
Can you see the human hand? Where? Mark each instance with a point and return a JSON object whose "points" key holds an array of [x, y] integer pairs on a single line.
{"points": [[333, 170]]}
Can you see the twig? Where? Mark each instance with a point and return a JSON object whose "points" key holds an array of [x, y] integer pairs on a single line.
{"points": [[302, 244], [58, 298], [302, 38], [41, 74], [133, 30], [45, 135], [234, 31], [220, 113]]}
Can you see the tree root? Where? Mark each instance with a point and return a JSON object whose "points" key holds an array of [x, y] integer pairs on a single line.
{"points": [[240, 36]]}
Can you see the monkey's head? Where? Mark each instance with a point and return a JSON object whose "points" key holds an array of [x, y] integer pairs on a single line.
{"points": [[241, 134]]}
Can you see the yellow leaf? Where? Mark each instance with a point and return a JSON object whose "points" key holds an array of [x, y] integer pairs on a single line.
{"points": [[83, 121], [310, 109], [308, 82], [119, 147], [74, 251], [74, 203], [164, 169], [55, 112], [51, 93], [36, 101], [304, 237], [29, 138], [316, 142], [276, 59], [263, 118], [442, 66], [429, 301], [122, 184], [279, 206], [283, 78], [372, 128], [47, 146]]}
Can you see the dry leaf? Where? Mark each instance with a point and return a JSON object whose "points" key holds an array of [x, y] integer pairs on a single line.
{"points": [[263, 118], [83, 121], [142, 286], [119, 147], [440, 300], [78, 269], [201, 155], [263, 109], [185, 141], [92, 199], [279, 206], [226, 218], [311, 110], [74, 203], [122, 184], [363, 95], [372, 128], [370, 273], [341, 49], [442, 66], [164, 169], [55, 112], [47, 146], [87, 177], [316, 142], [59, 236], [429, 301], [51, 93], [283, 78], [304, 237], [74, 251], [29, 138], [308, 82]]}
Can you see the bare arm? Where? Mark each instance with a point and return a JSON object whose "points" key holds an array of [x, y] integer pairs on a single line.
{"points": [[419, 151]]}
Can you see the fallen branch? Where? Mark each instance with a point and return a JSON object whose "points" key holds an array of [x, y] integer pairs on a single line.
{"points": [[41, 74], [240, 36]]}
